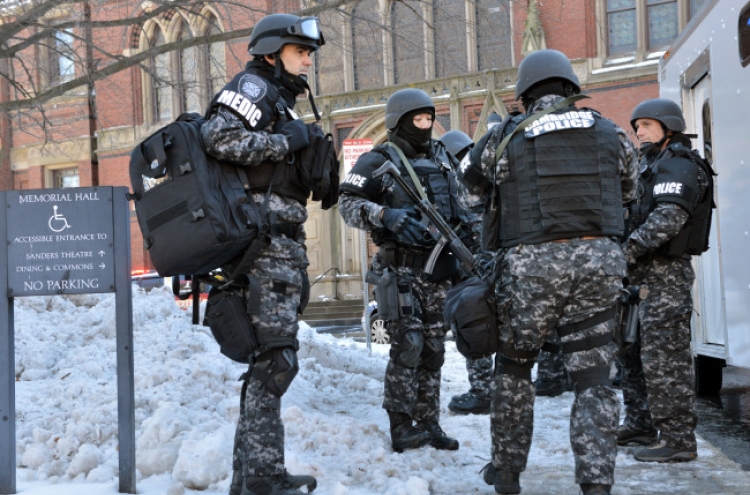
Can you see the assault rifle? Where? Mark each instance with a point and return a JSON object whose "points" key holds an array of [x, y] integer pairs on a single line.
{"points": [[447, 236], [630, 297]]}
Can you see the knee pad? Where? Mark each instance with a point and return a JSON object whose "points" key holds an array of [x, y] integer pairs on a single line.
{"points": [[276, 369], [407, 350], [433, 354]]}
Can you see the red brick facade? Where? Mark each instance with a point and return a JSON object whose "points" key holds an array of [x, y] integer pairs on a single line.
{"points": [[108, 129]]}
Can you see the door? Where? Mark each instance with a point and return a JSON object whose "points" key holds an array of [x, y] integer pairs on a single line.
{"points": [[708, 294]]}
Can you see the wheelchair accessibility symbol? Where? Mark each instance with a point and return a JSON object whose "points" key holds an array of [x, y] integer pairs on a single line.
{"points": [[57, 222]]}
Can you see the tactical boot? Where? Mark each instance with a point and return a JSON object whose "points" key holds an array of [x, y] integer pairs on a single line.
{"points": [[552, 389], [472, 402], [269, 485], [438, 438], [505, 482], [236, 487], [627, 436], [404, 435], [663, 453], [299, 480], [589, 489]]}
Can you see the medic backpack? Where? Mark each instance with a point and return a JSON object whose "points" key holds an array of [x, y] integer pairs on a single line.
{"points": [[193, 211]]}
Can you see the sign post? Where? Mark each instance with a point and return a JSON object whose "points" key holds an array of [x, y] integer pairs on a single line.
{"points": [[66, 241], [352, 149]]}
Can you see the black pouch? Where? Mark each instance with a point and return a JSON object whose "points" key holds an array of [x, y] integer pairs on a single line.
{"points": [[228, 319], [469, 312], [387, 296]]}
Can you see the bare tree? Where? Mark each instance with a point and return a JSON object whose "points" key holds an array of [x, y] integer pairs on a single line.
{"points": [[66, 30]]}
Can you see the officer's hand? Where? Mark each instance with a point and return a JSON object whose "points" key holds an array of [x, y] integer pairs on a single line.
{"points": [[296, 134], [407, 229]]}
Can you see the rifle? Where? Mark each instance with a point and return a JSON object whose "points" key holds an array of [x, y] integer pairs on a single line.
{"points": [[447, 236], [630, 297]]}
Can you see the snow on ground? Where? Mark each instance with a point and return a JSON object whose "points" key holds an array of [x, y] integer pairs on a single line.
{"points": [[187, 403]]}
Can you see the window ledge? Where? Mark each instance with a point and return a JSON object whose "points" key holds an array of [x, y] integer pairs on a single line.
{"points": [[626, 64]]}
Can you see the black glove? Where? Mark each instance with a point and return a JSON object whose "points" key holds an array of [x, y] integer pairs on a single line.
{"points": [[407, 229], [296, 134]]}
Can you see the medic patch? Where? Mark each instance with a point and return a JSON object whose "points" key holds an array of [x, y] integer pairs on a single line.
{"points": [[253, 87], [673, 188], [354, 179], [575, 119]]}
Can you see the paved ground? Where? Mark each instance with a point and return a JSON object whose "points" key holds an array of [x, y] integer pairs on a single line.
{"points": [[723, 429]]}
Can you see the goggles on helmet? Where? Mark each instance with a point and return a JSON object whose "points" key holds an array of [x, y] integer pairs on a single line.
{"points": [[306, 27]]}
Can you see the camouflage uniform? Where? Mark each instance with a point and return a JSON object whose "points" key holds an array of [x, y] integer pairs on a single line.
{"points": [[280, 270], [657, 379], [542, 288], [480, 371], [412, 391]]}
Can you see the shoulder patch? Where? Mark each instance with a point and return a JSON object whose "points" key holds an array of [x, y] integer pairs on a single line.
{"points": [[252, 87]]}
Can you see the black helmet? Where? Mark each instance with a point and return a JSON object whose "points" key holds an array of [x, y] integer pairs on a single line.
{"points": [[404, 101], [542, 65], [276, 30], [493, 120], [665, 111], [456, 141]]}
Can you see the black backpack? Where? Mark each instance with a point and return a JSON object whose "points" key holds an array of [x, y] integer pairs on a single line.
{"points": [[193, 211]]}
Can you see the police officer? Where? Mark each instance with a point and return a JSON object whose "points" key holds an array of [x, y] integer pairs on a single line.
{"points": [[552, 380], [671, 222], [379, 205], [558, 187], [251, 124]]}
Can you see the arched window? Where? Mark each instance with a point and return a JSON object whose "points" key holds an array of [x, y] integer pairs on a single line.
{"points": [[408, 25], [189, 88], [367, 49], [493, 34], [214, 60], [449, 21], [330, 60], [161, 79]]}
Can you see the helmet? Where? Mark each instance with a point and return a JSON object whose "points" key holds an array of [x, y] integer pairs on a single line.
{"points": [[456, 141], [665, 111], [276, 30], [542, 65], [404, 101], [493, 120]]}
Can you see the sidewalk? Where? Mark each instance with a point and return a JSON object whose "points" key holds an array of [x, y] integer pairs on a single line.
{"points": [[712, 473]]}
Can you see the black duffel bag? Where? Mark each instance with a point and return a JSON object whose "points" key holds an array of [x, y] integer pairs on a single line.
{"points": [[470, 313]]}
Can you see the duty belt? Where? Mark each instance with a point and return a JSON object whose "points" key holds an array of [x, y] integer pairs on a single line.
{"points": [[405, 257], [291, 230]]}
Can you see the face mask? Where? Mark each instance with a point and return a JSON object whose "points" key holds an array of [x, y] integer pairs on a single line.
{"points": [[418, 138]]}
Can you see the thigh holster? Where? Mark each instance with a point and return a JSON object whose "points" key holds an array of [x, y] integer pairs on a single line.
{"points": [[407, 350]]}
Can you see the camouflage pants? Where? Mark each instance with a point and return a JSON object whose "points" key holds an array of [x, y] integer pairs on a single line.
{"points": [[259, 438], [415, 391], [550, 368], [657, 383], [480, 371], [541, 288]]}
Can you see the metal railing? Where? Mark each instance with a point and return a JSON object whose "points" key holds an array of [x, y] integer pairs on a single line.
{"points": [[335, 281]]}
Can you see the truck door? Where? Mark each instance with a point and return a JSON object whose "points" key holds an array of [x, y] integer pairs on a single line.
{"points": [[708, 296]]}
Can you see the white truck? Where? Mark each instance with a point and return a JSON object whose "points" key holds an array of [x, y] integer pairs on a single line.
{"points": [[707, 72]]}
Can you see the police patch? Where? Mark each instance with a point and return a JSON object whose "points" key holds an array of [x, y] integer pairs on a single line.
{"points": [[575, 119], [675, 188], [253, 87]]}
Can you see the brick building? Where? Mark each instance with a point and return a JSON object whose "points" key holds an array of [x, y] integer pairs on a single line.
{"points": [[464, 53]]}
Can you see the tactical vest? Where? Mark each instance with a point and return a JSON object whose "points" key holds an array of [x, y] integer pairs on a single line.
{"points": [[257, 103], [673, 178], [563, 183], [437, 181]]}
